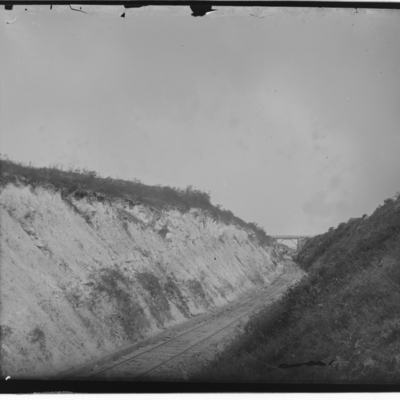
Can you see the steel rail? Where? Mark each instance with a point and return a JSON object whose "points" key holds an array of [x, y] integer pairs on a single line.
{"points": [[177, 337], [191, 347]]}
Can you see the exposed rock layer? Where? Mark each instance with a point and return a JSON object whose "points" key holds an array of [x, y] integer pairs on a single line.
{"points": [[83, 276]]}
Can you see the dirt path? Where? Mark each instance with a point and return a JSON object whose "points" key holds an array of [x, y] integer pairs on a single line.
{"points": [[178, 352]]}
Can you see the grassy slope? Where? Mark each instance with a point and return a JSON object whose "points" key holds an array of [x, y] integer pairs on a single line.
{"points": [[79, 183], [346, 310]]}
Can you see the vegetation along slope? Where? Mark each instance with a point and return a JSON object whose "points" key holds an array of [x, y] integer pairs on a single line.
{"points": [[344, 316]]}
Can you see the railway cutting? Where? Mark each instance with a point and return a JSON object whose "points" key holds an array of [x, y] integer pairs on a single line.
{"points": [[176, 353]]}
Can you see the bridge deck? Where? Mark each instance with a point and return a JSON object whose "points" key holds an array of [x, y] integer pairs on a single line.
{"points": [[290, 236]]}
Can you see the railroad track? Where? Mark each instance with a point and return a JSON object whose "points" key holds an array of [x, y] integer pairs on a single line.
{"points": [[163, 361]]}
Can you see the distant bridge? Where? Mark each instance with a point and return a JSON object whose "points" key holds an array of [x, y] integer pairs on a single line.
{"points": [[301, 239]]}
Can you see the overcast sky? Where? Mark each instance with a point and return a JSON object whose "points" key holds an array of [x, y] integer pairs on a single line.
{"points": [[290, 120]]}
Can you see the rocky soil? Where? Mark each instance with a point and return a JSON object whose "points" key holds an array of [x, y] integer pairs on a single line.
{"points": [[85, 276]]}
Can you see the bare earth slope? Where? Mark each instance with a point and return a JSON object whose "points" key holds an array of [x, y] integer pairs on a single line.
{"points": [[84, 277]]}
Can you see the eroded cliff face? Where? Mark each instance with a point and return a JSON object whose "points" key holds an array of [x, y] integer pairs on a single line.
{"points": [[82, 276]]}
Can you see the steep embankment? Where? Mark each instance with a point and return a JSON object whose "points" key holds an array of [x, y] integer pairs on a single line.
{"points": [[85, 274], [344, 316]]}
